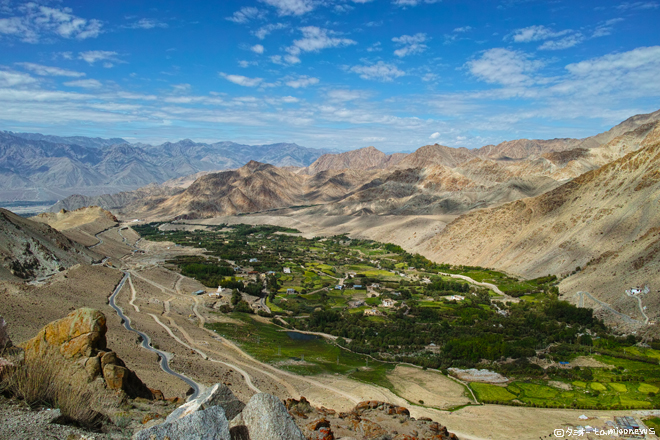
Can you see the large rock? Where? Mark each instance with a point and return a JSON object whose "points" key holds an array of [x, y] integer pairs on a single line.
{"points": [[4, 337], [80, 339], [217, 395], [80, 334], [209, 424], [266, 418]]}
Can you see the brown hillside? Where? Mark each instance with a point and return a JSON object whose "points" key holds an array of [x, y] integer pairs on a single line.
{"points": [[603, 220]]}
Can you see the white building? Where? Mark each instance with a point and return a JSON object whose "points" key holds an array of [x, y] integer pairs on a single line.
{"points": [[387, 302], [287, 270]]}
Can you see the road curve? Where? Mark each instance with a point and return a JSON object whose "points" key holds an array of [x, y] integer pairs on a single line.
{"points": [[146, 341]]}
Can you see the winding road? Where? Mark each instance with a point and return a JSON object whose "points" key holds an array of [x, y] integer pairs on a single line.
{"points": [[605, 305], [146, 341]]}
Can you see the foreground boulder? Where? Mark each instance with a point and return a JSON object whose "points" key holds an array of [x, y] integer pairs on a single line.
{"points": [[217, 395], [80, 338], [266, 418], [208, 424]]}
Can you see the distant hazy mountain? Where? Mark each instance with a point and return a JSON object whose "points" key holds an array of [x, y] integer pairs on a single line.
{"points": [[53, 166]]}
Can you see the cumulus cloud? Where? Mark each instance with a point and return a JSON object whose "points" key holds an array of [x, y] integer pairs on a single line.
{"points": [[380, 71], [38, 21], [291, 7], [503, 66], [563, 43], [15, 79], [263, 31], [302, 82], [537, 33], [257, 48], [410, 44], [246, 14], [435, 135], [85, 84], [463, 29], [92, 56], [49, 70], [242, 80], [314, 39]]}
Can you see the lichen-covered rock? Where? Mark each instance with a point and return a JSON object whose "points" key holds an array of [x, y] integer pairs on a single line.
{"points": [[266, 418], [80, 334], [80, 339], [217, 395], [209, 424]]}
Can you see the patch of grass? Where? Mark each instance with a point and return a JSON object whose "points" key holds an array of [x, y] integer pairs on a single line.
{"points": [[269, 344], [646, 388], [653, 422], [598, 386], [618, 387], [491, 393]]}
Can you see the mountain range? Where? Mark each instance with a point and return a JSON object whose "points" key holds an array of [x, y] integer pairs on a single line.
{"points": [[41, 167]]}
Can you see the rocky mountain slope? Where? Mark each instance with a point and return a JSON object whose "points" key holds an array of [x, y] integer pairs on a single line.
{"points": [[69, 165], [30, 250], [605, 222], [362, 159]]}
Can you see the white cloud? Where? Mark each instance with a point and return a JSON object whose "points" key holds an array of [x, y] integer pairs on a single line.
{"points": [[242, 80], [14, 79], [40, 21], [404, 3], [302, 82], [623, 62], [503, 66], [257, 48], [376, 47], [291, 7], [435, 135], [147, 23], [564, 43], [537, 33], [343, 95], [463, 29], [380, 71], [85, 84], [181, 88], [314, 39], [411, 44], [92, 56], [638, 6], [605, 28], [263, 31], [244, 63], [50, 71], [246, 14]]}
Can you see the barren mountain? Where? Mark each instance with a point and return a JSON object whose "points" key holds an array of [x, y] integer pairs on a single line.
{"points": [[606, 221], [430, 155], [34, 166], [30, 249], [361, 159]]}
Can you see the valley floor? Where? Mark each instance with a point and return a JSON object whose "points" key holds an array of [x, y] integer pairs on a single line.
{"points": [[159, 303]]}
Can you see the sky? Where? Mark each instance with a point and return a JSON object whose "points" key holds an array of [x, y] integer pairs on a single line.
{"points": [[335, 74]]}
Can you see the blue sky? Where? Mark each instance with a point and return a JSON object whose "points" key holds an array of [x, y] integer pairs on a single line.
{"points": [[338, 74]]}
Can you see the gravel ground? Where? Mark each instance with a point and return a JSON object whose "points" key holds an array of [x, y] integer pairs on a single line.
{"points": [[21, 423]]}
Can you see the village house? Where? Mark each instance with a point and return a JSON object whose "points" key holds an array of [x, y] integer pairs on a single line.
{"points": [[339, 287], [254, 260], [287, 270], [290, 291], [387, 302], [455, 298], [372, 312]]}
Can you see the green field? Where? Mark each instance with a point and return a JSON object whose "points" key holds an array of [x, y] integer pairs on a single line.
{"points": [[269, 344], [492, 393]]}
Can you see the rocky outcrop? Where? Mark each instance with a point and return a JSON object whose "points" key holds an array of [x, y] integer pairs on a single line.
{"points": [[217, 395], [266, 418], [208, 424], [80, 339]]}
